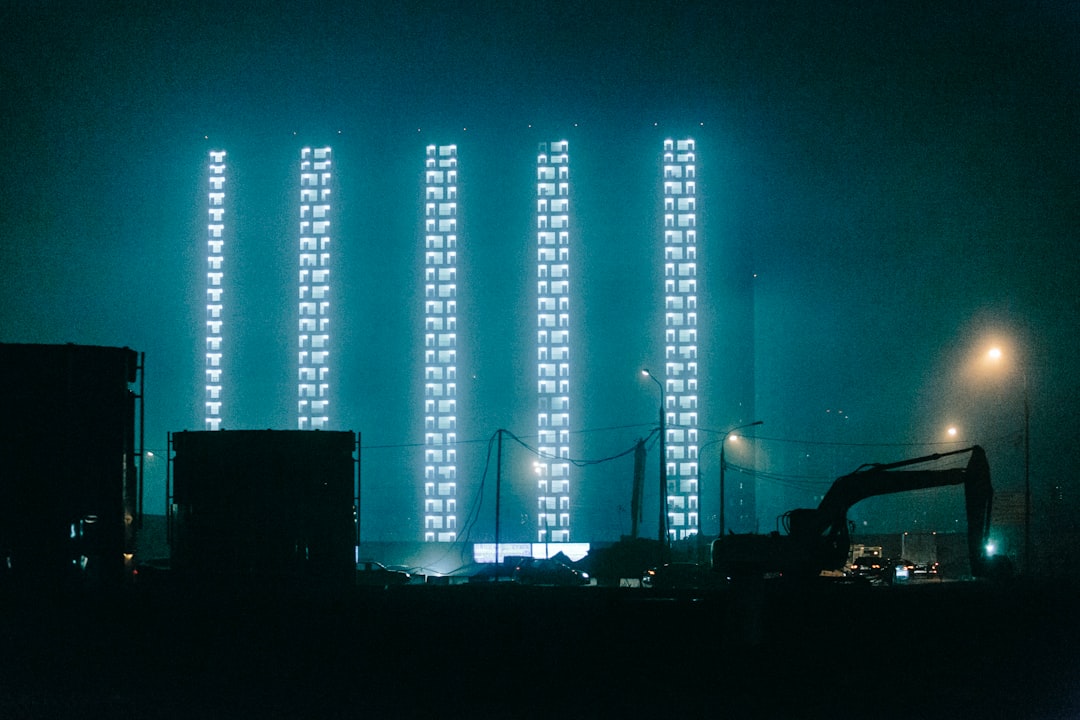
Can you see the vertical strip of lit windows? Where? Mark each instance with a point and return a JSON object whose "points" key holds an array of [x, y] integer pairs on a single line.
{"points": [[313, 338], [214, 275], [440, 232], [553, 342], [681, 336]]}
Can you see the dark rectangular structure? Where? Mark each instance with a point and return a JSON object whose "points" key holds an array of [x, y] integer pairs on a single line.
{"points": [[269, 504], [68, 479]]}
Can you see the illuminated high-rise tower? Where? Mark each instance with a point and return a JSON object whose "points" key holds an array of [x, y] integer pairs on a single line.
{"points": [[680, 337], [313, 389], [214, 290], [440, 343], [552, 342]]}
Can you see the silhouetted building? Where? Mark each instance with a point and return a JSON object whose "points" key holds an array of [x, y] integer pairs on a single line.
{"points": [[264, 504], [69, 484]]}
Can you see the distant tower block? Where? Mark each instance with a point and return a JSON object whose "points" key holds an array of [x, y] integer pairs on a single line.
{"points": [[681, 337], [313, 389], [440, 343], [214, 290], [553, 342]]}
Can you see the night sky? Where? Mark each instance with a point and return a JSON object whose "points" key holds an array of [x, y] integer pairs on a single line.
{"points": [[885, 189]]}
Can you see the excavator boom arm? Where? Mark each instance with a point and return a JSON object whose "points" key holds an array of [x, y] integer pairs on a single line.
{"points": [[826, 525], [817, 539]]}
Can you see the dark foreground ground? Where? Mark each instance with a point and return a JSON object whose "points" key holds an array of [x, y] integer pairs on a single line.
{"points": [[950, 650]]}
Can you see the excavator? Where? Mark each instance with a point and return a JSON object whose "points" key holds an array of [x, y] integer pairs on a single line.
{"points": [[818, 539]]}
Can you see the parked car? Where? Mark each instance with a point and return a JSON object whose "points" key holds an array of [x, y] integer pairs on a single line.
{"points": [[883, 571], [539, 571], [927, 569], [151, 571], [678, 576], [903, 570], [372, 574], [875, 569]]}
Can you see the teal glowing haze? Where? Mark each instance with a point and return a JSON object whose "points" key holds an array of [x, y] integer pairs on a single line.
{"points": [[884, 192]]}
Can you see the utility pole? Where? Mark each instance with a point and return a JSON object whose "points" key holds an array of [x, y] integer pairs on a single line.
{"points": [[639, 487], [498, 499], [661, 531]]}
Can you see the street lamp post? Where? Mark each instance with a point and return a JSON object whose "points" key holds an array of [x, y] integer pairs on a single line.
{"points": [[662, 520], [720, 484], [722, 466], [1027, 478], [994, 355], [701, 490]]}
